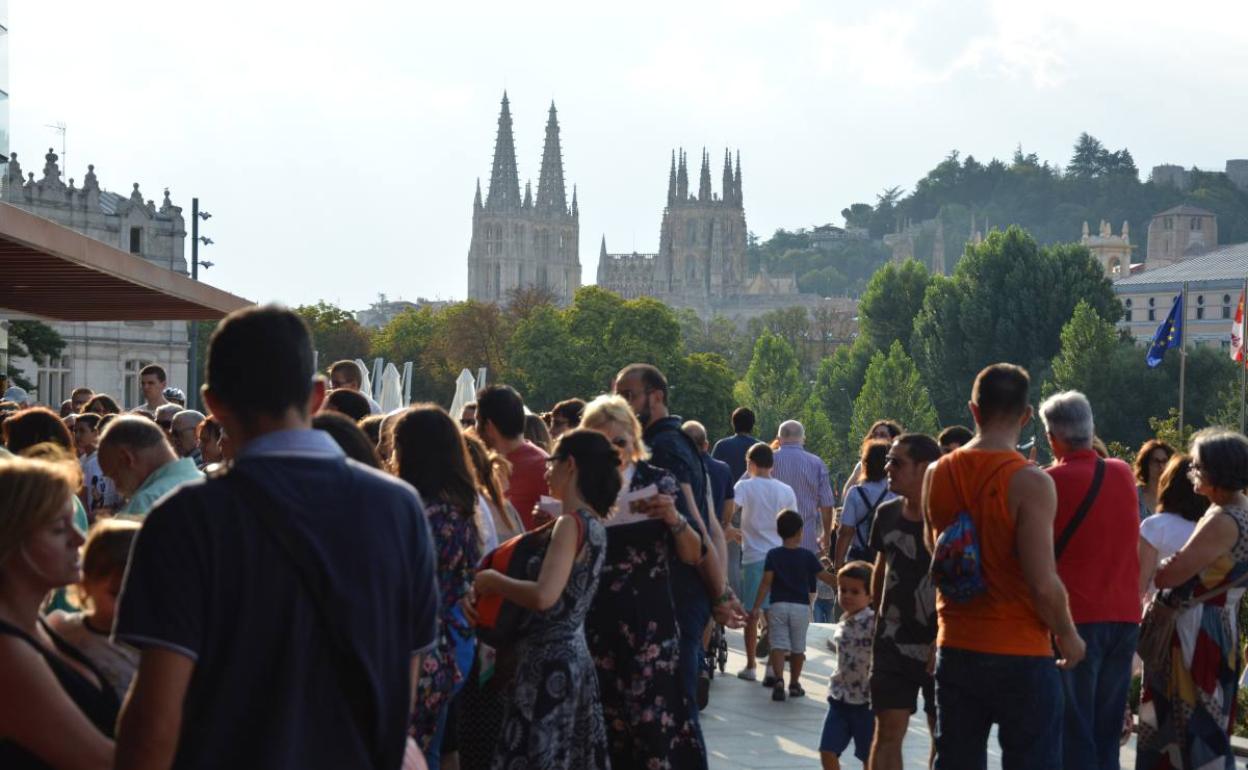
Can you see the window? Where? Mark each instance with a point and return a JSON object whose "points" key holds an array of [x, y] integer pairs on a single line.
{"points": [[1152, 314], [1195, 223], [1200, 299], [53, 381], [133, 395], [136, 240], [1200, 314], [1167, 223], [1126, 316], [691, 233], [1226, 305], [498, 280]]}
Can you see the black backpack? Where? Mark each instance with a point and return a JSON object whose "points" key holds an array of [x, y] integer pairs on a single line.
{"points": [[862, 531]]}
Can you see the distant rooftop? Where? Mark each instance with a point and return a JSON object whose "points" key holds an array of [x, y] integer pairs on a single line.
{"points": [[1184, 209], [1217, 264]]}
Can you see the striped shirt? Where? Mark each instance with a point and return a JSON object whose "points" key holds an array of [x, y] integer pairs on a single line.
{"points": [[808, 476]]}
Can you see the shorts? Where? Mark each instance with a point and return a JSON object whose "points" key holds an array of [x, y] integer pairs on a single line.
{"points": [[892, 689], [751, 579], [787, 623], [845, 721]]}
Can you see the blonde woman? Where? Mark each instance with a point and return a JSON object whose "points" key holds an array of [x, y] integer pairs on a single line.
{"points": [[57, 710], [631, 626]]}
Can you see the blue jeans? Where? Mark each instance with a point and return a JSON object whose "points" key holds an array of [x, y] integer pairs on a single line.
{"points": [[1022, 695], [824, 610], [1096, 696], [692, 613]]}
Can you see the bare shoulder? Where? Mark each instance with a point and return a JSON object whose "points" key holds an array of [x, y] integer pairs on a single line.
{"points": [[1031, 479]]}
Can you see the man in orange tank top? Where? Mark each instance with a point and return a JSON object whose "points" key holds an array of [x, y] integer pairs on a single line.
{"points": [[995, 663]]}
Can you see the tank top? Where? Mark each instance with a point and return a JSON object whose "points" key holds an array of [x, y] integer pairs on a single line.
{"points": [[1002, 620], [98, 704]]}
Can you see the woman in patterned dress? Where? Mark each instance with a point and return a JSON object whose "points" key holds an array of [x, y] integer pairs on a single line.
{"points": [[553, 718], [430, 454], [631, 625], [1186, 709]]}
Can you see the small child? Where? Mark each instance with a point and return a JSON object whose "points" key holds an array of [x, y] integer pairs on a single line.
{"points": [[98, 491], [849, 693], [104, 559], [790, 574]]}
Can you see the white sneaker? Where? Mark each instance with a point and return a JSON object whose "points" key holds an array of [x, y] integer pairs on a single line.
{"points": [[747, 674]]}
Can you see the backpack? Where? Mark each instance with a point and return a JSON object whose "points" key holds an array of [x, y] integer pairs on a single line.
{"points": [[957, 562], [865, 552]]}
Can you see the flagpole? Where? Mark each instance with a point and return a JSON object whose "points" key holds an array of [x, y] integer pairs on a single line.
{"points": [[1243, 358], [1182, 361]]}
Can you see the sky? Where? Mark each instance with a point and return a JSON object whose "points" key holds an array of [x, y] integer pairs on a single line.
{"points": [[337, 145]]}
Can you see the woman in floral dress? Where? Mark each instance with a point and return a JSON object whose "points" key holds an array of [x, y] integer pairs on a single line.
{"points": [[631, 625], [430, 454], [1186, 709], [553, 718]]}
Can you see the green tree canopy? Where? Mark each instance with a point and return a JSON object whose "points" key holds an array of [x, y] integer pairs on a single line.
{"points": [[336, 335], [893, 390], [772, 386], [893, 297], [33, 339]]}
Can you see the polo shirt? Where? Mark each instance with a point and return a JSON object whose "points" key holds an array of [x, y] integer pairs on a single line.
{"points": [[808, 475], [1101, 564], [722, 482], [528, 480], [207, 580], [159, 483], [732, 451], [675, 452]]}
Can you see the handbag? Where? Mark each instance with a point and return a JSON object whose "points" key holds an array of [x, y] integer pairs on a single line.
{"points": [[500, 623], [1160, 618]]}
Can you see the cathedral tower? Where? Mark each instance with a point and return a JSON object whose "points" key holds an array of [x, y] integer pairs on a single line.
{"points": [[524, 242]]}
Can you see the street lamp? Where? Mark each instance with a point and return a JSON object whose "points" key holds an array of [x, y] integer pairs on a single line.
{"points": [[192, 376]]}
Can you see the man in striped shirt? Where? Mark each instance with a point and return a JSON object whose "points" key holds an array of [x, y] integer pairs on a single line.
{"points": [[808, 476]]}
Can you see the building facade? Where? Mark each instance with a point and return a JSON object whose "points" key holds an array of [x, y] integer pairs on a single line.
{"points": [[1112, 251], [524, 242], [1179, 233], [105, 356], [701, 262]]}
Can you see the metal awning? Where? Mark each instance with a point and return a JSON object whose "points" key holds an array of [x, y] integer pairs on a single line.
{"points": [[52, 272]]}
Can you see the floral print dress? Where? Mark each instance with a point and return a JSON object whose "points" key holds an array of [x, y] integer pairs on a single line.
{"points": [[633, 636], [458, 552], [1187, 710], [553, 718]]}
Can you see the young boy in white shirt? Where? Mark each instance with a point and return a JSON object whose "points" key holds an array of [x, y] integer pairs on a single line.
{"points": [[760, 498]]}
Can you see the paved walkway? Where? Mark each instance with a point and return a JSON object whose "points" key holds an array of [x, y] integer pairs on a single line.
{"points": [[744, 728]]}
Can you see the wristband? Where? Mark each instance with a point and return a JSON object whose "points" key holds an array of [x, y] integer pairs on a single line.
{"points": [[725, 597], [678, 527]]}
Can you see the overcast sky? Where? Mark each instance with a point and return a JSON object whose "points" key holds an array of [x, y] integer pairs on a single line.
{"points": [[337, 144]]}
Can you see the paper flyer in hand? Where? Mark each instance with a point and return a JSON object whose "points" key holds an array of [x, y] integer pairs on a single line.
{"points": [[624, 513]]}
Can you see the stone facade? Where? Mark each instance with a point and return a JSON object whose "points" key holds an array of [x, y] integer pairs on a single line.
{"points": [[524, 242], [701, 262], [1172, 174], [1112, 251], [1178, 233], [105, 355]]}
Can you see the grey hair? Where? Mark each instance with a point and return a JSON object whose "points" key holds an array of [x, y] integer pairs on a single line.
{"points": [[133, 432], [1068, 416], [695, 431], [791, 430]]}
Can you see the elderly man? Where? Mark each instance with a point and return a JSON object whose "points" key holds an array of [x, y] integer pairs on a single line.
{"points": [[808, 476], [1096, 535], [182, 433], [164, 418], [135, 454]]}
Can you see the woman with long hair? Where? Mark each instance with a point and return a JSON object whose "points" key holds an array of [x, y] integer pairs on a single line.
{"points": [[1187, 706], [493, 494], [60, 710], [631, 627], [1150, 461], [553, 718], [429, 454]]}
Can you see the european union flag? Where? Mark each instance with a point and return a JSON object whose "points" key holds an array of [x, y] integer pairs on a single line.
{"points": [[1169, 334]]}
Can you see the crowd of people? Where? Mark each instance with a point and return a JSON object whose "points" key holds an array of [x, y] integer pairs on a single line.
{"points": [[298, 580]]}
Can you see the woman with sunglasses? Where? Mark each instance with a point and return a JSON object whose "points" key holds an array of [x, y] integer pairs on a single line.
{"points": [[553, 718], [631, 625], [1186, 707]]}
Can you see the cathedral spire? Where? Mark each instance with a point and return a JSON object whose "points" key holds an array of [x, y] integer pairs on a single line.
{"points": [[528, 193], [682, 179], [671, 181], [504, 179], [476, 200], [727, 191], [576, 210], [738, 197], [704, 178], [550, 192], [602, 250]]}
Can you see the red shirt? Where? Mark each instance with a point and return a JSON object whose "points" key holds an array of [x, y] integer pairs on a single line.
{"points": [[528, 480], [1101, 564]]}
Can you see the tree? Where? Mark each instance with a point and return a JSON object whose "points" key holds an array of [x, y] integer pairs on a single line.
{"points": [[893, 390], [336, 335], [701, 389], [1006, 301], [1088, 343], [893, 298], [837, 383], [772, 386], [1089, 158], [407, 337], [538, 357], [34, 340]]}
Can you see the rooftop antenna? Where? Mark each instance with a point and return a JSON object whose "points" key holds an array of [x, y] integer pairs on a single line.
{"points": [[62, 129]]}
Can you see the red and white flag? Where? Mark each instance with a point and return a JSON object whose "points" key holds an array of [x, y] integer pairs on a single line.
{"points": [[1237, 331]]}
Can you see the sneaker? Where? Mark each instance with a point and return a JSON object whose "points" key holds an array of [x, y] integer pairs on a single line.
{"points": [[770, 681], [747, 674], [704, 690], [795, 690], [777, 692]]}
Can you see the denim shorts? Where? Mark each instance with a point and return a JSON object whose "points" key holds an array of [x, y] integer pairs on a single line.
{"points": [[1022, 695], [846, 721], [751, 579], [788, 622]]}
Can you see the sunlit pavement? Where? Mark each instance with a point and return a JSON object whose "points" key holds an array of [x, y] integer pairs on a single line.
{"points": [[744, 728]]}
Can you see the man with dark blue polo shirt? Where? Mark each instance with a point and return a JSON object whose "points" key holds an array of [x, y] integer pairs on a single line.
{"points": [[702, 590], [731, 450], [234, 582]]}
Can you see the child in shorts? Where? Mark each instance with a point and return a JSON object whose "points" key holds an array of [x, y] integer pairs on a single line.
{"points": [[849, 692], [790, 574]]}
